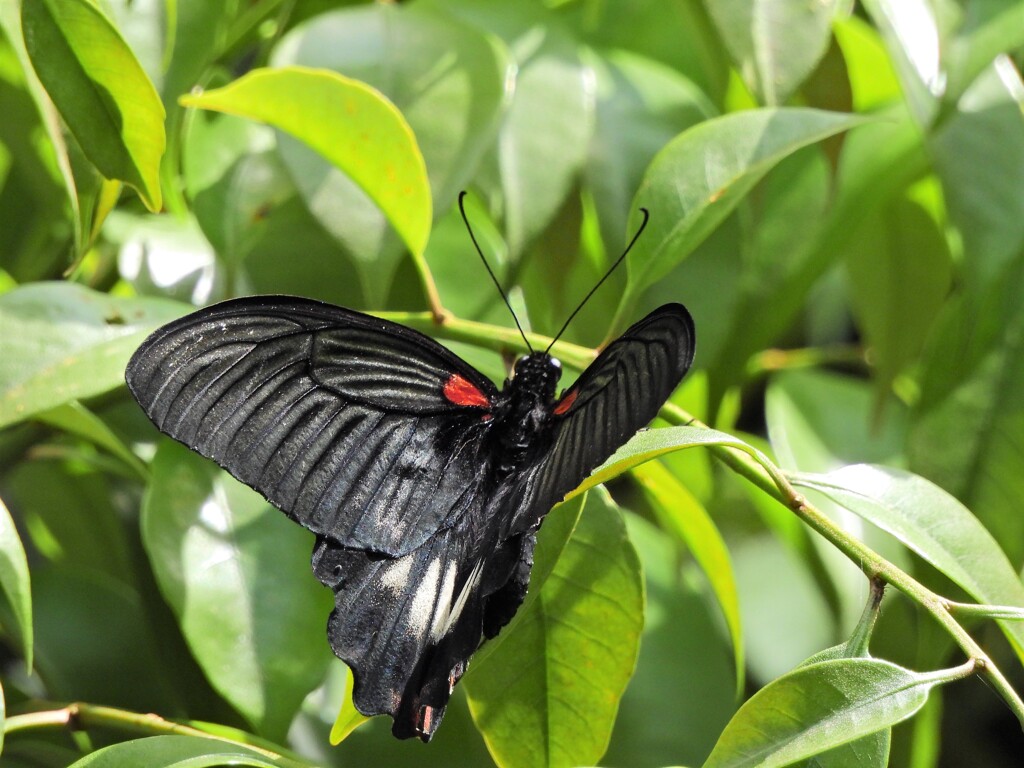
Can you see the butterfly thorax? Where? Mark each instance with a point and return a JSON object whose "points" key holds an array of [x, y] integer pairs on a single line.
{"points": [[524, 420]]}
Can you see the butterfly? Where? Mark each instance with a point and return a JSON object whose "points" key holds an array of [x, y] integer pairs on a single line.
{"points": [[423, 482]]}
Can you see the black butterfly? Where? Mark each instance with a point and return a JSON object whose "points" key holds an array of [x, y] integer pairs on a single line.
{"points": [[424, 484]]}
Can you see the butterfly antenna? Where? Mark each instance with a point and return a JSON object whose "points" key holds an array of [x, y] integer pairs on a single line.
{"points": [[607, 274], [462, 210]]}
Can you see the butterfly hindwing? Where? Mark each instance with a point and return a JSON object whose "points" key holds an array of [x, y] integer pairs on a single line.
{"points": [[344, 421], [407, 626]]}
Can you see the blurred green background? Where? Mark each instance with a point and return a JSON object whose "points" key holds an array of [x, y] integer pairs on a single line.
{"points": [[856, 286]]}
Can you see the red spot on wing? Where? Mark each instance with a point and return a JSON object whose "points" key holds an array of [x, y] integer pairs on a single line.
{"points": [[565, 403], [461, 391]]}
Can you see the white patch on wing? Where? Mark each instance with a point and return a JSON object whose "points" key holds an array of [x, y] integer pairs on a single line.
{"points": [[396, 576], [424, 600], [442, 628], [444, 602]]}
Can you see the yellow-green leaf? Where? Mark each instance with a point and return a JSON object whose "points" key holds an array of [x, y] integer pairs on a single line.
{"points": [[100, 90], [352, 125]]}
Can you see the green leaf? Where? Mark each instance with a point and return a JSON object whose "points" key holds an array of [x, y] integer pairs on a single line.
{"points": [[76, 419], [900, 273], [350, 124], [179, 752], [64, 342], [235, 572], [100, 89], [700, 177], [650, 443], [10, 23], [872, 78], [775, 43], [349, 718], [548, 694], [547, 127], [552, 539], [967, 428], [453, 112], [685, 518], [641, 106], [819, 421], [16, 582], [815, 708], [113, 644], [976, 31], [871, 751], [978, 152], [685, 672], [933, 524], [776, 258], [912, 37]]}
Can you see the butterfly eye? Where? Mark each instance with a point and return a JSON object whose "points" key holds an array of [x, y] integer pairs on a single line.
{"points": [[556, 363]]}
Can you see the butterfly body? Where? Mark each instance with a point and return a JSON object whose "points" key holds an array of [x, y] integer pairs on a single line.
{"points": [[523, 411], [423, 483]]}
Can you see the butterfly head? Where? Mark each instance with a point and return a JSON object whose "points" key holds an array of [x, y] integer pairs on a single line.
{"points": [[538, 373]]}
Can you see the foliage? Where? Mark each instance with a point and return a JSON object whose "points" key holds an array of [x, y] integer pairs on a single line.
{"points": [[834, 192]]}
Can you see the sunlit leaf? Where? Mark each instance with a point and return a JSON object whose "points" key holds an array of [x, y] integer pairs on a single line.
{"points": [[234, 571], [349, 718], [818, 707], [700, 177], [447, 78], [15, 582], [775, 43], [651, 443], [684, 517], [64, 342], [180, 752], [347, 122], [932, 523], [76, 419], [548, 694], [100, 89]]}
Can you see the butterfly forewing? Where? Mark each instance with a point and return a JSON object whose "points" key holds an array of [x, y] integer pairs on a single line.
{"points": [[619, 393], [339, 419]]}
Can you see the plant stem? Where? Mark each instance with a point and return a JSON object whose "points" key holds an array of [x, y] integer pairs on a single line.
{"points": [[494, 337], [80, 716], [757, 469], [770, 360]]}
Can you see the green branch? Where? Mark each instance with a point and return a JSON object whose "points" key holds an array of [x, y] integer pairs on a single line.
{"points": [[79, 716], [494, 337], [755, 467]]}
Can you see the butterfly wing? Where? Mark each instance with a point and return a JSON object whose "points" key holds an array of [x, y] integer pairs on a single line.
{"points": [[407, 626], [618, 394], [365, 432], [409, 645]]}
